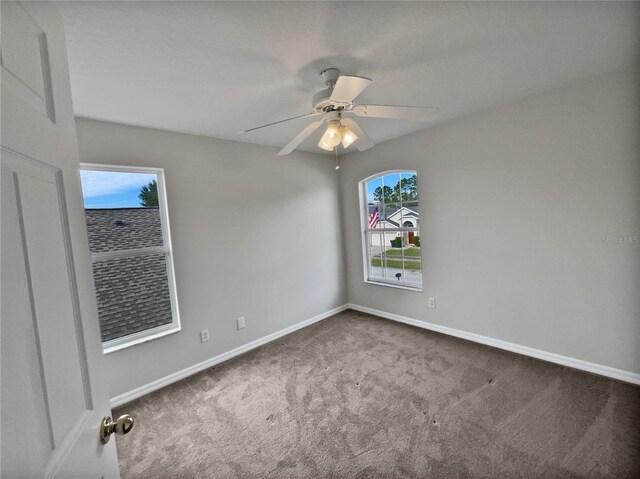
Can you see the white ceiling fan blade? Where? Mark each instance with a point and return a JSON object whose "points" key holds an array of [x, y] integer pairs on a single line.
{"points": [[303, 135], [348, 87], [313, 113], [421, 113], [363, 142]]}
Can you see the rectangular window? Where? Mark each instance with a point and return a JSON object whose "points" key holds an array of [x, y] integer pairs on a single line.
{"points": [[130, 245], [391, 230]]}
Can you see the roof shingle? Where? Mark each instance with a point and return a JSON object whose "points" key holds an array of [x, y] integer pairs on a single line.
{"points": [[132, 292]]}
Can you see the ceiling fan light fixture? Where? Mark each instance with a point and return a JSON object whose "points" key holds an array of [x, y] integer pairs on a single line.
{"points": [[333, 129], [348, 137], [332, 136], [324, 145]]}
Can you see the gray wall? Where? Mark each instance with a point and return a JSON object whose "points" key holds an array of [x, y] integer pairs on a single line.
{"points": [[515, 205], [254, 235]]}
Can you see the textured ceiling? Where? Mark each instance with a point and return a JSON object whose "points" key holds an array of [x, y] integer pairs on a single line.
{"points": [[213, 69]]}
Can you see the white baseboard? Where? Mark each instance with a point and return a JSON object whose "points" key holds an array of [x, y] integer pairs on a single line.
{"points": [[594, 368], [184, 373]]}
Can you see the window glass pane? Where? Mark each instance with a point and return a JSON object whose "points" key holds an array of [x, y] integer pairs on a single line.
{"points": [[394, 257], [133, 294], [391, 216], [391, 183], [374, 210], [377, 242], [121, 210], [409, 187], [374, 191], [412, 257], [123, 228], [408, 191]]}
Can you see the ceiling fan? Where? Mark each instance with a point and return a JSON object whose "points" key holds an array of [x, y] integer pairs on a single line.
{"points": [[335, 105]]}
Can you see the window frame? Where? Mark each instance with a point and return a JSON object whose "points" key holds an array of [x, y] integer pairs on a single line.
{"points": [[365, 230], [166, 249]]}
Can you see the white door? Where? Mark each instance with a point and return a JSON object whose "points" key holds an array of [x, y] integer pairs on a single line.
{"points": [[53, 399]]}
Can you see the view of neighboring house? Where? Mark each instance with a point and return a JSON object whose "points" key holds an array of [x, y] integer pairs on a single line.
{"points": [[132, 291], [393, 217]]}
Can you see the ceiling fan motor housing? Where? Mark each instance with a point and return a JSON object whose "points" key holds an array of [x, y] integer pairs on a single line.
{"points": [[333, 116], [321, 101]]}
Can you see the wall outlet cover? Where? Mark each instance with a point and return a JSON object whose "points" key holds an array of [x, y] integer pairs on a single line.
{"points": [[204, 335]]}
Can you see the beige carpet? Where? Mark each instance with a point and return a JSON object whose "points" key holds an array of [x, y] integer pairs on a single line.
{"points": [[359, 396]]}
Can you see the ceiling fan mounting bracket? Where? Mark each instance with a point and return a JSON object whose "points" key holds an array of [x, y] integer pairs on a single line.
{"points": [[330, 76]]}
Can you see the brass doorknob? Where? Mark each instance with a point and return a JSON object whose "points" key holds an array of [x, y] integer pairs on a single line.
{"points": [[123, 425]]}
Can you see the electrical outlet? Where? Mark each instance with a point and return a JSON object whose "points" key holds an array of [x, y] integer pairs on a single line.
{"points": [[241, 322], [204, 335], [432, 302]]}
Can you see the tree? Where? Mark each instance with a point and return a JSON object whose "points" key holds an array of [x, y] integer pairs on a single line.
{"points": [[409, 188], [405, 189], [149, 194], [379, 197]]}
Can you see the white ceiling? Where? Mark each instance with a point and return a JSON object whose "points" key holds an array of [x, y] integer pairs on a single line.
{"points": [[214, 69]]}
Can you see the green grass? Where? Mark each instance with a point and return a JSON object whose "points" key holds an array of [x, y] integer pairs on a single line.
{"points": [[396, 263], [394, 259], [413, 252]]}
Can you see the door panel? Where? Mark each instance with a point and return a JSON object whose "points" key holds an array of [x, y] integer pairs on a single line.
{"points": [[25, 58], [52, 286], [22, 382], [52, 397]]}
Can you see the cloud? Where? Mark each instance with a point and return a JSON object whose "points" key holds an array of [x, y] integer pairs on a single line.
{"points": [[103, 183]]}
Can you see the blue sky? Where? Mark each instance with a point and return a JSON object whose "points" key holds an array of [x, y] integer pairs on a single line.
{"points": [[112, 189], [390, 180]]}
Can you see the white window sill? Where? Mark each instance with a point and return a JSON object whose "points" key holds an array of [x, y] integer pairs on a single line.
{"points": [[139, 338], [416, 289]]}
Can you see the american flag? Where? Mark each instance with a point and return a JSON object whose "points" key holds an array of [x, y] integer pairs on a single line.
{"points": [[373, 218]]}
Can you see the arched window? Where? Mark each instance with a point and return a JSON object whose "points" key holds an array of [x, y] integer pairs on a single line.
{"points": [[391, 235]]}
